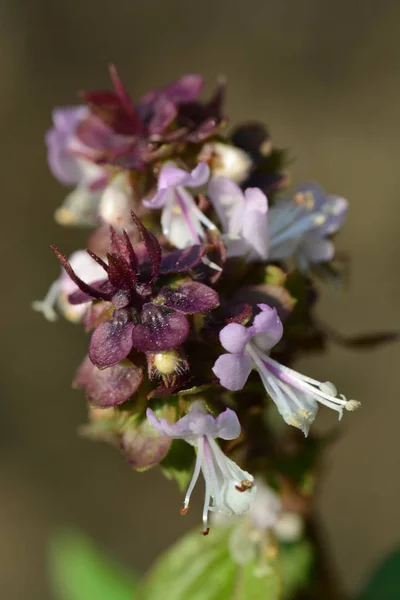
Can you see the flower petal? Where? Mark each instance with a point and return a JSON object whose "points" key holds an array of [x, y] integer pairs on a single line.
{"points": [[198, 176], [195, 423], [160, 329], [63, 164], [267, 328], [228, 201], [315, 249], [171, 177], [111, 342], [232, 370], [255, 224], [228, 425], [234, 337]]}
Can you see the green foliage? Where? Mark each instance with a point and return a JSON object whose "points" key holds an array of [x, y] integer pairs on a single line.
{"points": [[79, 571], [195, 568], [384, 583], [201, 568], [296, 561]]}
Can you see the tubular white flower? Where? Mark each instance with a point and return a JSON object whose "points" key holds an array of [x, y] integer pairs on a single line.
{"points": [[295, 395], [228, 488]]}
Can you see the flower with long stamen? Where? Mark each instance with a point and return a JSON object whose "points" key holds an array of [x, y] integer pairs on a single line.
{"points": [[296, 396], [228, 488], [302, 225], [182, 222], [88, 270], [243, 216]]}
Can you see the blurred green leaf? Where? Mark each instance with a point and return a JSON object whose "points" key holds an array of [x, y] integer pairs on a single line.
{"points": [[258, 584], [296, 561], [201, 568], [79, 571], [384, 583], [195, 568]]}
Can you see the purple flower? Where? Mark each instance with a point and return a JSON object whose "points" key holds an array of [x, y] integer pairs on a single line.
{"points": [[70, 163], [63, 163], [296, 396], [303, 225], [229, 489], [243, 216], [182, 221], [59, 291]]}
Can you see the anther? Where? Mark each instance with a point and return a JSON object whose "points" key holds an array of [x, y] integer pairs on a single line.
{"points": [[245, 485], [352, 405]]}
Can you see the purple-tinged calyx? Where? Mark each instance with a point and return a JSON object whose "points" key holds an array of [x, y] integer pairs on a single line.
{"points": [[228, 488], [144, 317], [302, 225], [296, 396]]}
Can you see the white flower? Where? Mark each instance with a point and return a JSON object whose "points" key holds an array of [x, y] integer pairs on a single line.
{"points": [[116, 202], [182, 222], [228, 488], [250, 535], [85, 268]]}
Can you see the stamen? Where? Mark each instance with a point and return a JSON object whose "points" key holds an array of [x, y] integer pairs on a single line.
{"points": [[46, 306], [300, 226], [245, 485], [210, 264], [352, 405], [195, 476]]}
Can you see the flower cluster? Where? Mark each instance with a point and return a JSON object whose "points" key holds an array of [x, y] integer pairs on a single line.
{"points": [[197, 287]]}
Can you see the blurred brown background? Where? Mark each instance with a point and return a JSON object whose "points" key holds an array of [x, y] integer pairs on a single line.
{"points": [[326, 77]]}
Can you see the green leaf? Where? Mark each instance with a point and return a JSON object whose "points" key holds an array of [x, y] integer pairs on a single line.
{"points": [[79, 571], [196, 568], [264, 584], [384, 583], [201, 568], [296, 562]]}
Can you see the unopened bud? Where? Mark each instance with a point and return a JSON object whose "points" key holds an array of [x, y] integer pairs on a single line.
{"points": [[166, 362]]}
